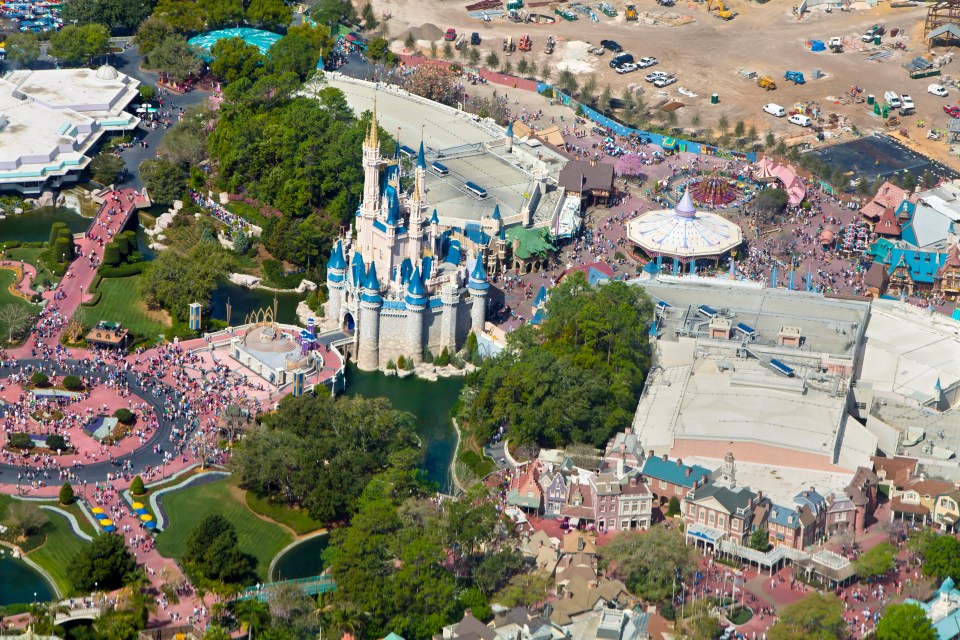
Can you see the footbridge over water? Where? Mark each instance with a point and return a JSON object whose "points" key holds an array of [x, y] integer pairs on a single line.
{"points": [[310, 586]]}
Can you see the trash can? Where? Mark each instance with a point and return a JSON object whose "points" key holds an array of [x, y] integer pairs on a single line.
{"points": [[876, 40], [871, 99], [714, 98]]}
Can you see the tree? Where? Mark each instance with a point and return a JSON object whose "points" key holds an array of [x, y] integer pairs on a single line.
{"points": [[771, 200], [447, 50], [56, 442], [241, 242], [212, 550], [434, 82], [876, 562], [493, 61], [649, 562], [369, 19], [122, 15], [66, 494], [816, 617], [769, 140], [105, 167], [222, 13], [567, 82], [125, 416], [72, 383], [151, 33], [332, 12], [175, 280], [136, 487], [740, 129], [233, 59], [524, 590], [941, 556], [165, 181], [760, 539], [673, 507], [723, 123], [23, 48], [77, 44], [105, 562], [175, 58], [473, 56], [410, 42], [269, 14], [185, 144], [15, 316], [905, 621], [25, 518], [495, 570], [377, 49], [295, 53], [184, 16]]}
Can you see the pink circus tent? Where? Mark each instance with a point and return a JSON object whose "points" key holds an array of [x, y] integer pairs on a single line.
{"points": [[767, 170]]}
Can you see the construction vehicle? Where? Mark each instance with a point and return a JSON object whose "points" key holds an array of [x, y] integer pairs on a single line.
{"points": [[766, 82], [721, 10], [508, 45], [631, 13], [836, 45], [796, 77], [597, 51], [525, 44], [607, 10], [551, 43], [461, 40]]}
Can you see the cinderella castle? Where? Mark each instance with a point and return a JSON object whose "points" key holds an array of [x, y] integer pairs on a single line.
{"points": [[399, 283]]}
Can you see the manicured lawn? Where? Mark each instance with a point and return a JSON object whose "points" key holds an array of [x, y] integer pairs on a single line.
{"points": [[121, 302], [58, 551], [187, 507], [32, 256], [6, 279], [297, 519]]}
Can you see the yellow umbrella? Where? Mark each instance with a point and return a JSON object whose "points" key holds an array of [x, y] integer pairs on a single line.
{"points": [[106, 523], [97, 510], [138, 505], [146, 517]]}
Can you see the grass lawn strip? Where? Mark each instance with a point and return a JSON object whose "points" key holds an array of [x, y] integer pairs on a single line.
{"points": [[121, 302], [296, 519], [186, 507], [32, 256], [58, 551]]}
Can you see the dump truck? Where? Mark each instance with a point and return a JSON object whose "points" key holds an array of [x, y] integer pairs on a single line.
{"points": [[836, 45], [631, 12], [525, 44], [796, 77], [766, 82]]}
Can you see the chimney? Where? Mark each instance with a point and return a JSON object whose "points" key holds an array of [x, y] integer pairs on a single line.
{"points": [[633, 481], [759, 497], [805, 494], [679, 462], [651, 454], [689, 471], [664, 457]]}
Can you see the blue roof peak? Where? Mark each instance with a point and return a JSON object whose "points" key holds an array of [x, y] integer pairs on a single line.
{"points": [[336, 258], [393, 204], [478, 277], [421, 162], [496, 212], [510, 129], [434, 219], [372, 282]]}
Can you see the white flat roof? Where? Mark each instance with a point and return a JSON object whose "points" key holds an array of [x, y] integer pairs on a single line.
{"points": [[52, 118]]}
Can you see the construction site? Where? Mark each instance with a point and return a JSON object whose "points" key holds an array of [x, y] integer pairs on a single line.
{"points": [[817, 61]]}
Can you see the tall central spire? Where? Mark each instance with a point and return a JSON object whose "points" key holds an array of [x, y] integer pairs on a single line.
{"points": [[373, 136]]}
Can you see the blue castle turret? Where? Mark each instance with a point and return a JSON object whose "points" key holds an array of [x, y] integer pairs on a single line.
{"points": [[336, 273], [421, 161], [478, 285]]}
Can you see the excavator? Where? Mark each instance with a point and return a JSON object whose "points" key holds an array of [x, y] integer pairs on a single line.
{"points": [[722, 12]]}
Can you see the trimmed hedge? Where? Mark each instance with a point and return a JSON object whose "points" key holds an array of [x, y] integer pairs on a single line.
{"points": [[72, 383], [125, 416], [122, 271]]}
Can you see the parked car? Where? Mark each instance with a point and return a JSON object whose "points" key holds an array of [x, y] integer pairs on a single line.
{"points": [[774, 109], [938, 90], [665, 82], [952, 110], [800, 120], [875, 30], [611, 45], [620, 59], [626, 68], [906, 101], [653, 76], [450, 35], [643, 63], [474, 38], [892, 99]]}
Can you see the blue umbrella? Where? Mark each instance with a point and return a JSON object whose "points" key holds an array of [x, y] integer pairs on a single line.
{"points": [[151, 524], [110, 528], [140, 512]]}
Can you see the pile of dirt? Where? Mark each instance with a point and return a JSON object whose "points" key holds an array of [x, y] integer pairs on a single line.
{"points": [[428, 32]]}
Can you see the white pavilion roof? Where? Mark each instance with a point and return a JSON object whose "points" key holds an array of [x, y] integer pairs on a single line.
{"points": [[683, 232]]}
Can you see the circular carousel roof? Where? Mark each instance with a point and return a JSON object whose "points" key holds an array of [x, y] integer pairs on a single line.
{"points": [[683, 232]]}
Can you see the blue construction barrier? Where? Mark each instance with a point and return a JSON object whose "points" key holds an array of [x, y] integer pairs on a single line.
{"points": [[621, 129]]}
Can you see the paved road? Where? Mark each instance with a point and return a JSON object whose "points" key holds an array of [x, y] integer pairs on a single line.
{"points": [[158, 396]]}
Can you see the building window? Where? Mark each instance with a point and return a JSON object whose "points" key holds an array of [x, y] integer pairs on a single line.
{"points": [[735, 523], [663, 485], [721, 521], [713, 517]]}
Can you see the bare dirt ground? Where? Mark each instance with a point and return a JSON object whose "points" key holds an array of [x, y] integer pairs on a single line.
{"points": [[707, 53]]}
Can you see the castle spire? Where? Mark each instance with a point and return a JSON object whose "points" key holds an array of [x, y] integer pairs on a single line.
{"points": [[373, 136]]}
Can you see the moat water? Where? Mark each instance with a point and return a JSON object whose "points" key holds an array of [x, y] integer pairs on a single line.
{"points": [[19, 582], [34, 226]]}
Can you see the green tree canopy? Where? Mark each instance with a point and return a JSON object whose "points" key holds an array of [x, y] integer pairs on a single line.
{"points": [[122, 15], [77, 44], [816, 617], [649, 562], [941, 557], [175, 58], [165, 180], [332, 12], [577, 379], [105, 167], [23, 48], [233, 59], [296, 53], [175, 280], [105, 562], [184, 16], [352, 438], [151, 33], [905, 621], [222, 13], [876, 562], [213, 552], [269, 14]]}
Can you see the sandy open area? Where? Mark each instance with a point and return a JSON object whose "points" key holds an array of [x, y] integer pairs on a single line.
{"points": [[707, 53]]}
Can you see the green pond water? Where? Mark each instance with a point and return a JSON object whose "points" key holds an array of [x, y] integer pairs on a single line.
{"points": [[244, 300], [431, 403], [34, 226], [19, 582]]}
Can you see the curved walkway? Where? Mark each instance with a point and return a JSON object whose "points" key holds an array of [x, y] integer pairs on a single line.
{"points": [[71, 520], [151, 453]]}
